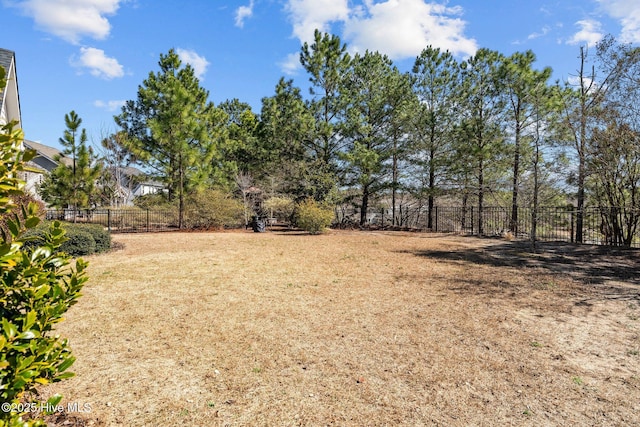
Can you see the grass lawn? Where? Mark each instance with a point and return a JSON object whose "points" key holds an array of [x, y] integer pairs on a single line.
{"points": [[353, 329]]}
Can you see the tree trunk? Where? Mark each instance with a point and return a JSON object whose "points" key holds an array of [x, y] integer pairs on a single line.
{"points": [[513, 225], [394, 183], [536, 189], [480, 197], [432, 185], [581, 146], [181, 194], [365, 205], [580, 201]]}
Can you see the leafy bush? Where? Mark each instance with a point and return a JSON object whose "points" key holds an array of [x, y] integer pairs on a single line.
{"points": [[79, 243], [82, 239], [281, 208], [37, 287], [22, 201], [153, 201], [313, 217], [212, 209], [101, 236]]}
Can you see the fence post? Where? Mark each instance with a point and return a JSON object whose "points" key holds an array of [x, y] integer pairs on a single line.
{"points": [[109, 220], [147, 220]]}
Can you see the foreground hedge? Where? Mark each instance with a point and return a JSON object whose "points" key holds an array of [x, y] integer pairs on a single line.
{"points": [[83, 239], [37, 286]]}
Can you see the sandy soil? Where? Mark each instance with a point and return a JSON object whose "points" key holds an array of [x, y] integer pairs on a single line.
{"points": [[354, 328]]}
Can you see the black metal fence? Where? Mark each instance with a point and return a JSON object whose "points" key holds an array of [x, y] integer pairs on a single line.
{"points": [[600, 225], [121, 220]]}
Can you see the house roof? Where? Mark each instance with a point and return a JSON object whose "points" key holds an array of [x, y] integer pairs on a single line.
{"points": [[131, 171], [7, 60], [49, 153], [6, 57], [52, 154]]}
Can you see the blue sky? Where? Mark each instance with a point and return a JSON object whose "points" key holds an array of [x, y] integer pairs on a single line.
{"points": [[91, 55]]}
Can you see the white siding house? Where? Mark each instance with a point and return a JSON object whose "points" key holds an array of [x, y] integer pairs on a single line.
{"points": [[132, 182], [10, 111], [45, 161], [9, 100]]}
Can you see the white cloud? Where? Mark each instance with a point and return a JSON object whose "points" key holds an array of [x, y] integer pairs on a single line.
{"points": [[242, 13], [99, 64], [590, 32], [535, 35], [110, 106], [587, 82], [309, 15], [197, 62], [402, 28], [397, 28], [628, 13], [71, 19], [545, 30], [291, 64]]}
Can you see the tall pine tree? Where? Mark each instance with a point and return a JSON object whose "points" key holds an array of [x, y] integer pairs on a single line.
{"points": [[435, 78], [173, 129], [73, 182]]}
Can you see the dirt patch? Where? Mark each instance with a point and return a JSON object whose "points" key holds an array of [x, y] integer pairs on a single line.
{"points": [[352, 328]]}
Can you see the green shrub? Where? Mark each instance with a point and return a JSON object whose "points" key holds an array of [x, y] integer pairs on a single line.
{"points": [[281, 208], [313, 217], [83, 239], [37, 287], [153, 201], [101, 236], [79, 243], [22, 201], [212, 209]]}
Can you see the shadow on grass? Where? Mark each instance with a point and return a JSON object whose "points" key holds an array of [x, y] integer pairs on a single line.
{"points": [[592, 265]]}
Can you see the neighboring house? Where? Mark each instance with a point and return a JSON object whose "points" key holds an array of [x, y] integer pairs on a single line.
{"points": [[141, 186], [9, 99], [130, 182], [10, 111], [44, 162]]}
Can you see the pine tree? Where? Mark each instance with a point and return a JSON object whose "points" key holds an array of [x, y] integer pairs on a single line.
{"points": [[73, 182], [435, 77], [174, 130]]}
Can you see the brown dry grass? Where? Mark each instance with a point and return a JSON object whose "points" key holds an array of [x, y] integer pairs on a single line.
{"points": [[350, 328]]}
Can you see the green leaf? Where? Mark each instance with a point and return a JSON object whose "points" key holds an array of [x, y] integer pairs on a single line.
{"points": [[9, 329], [64, 376], [29, 320], [24, 363], [42, 291], [66, 364], [27, 335], [32, 222], [54, 400], [13, 227], [41, 252]]}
